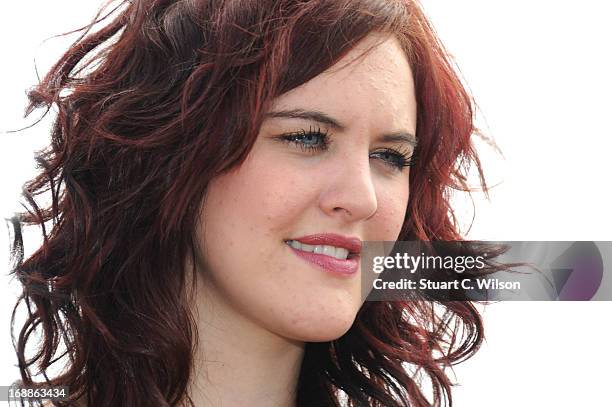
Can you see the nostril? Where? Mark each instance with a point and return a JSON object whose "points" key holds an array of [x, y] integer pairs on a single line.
{"points": [[338, 209]]}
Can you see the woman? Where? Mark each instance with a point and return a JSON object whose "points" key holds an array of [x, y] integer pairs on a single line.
{"points": [[222, 163]]}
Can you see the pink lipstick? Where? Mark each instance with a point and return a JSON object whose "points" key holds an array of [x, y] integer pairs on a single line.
{"points": [[331, 252]]}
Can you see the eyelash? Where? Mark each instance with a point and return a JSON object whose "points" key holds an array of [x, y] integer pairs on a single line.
{"points": [[400, 159]]}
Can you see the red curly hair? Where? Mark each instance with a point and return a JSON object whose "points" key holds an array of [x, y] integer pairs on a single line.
{"points": [[154, 105]]}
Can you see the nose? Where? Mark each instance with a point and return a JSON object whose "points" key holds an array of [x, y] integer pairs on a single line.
{"points": [[349, 192]]}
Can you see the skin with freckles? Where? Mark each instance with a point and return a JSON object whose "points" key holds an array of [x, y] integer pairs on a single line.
{"points": [[281, 192], [257, 299]]}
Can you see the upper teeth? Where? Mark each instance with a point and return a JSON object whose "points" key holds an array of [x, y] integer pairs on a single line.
{"points": [[332, 251]]}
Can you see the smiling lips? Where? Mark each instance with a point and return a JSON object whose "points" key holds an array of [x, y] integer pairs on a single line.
{"points": [[331, 252]]}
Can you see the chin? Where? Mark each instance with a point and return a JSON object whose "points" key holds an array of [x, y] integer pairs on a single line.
{"points": [[325, 328]]}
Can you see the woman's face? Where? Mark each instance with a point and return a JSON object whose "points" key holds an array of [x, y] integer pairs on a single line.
{"points": [[321, 165]]}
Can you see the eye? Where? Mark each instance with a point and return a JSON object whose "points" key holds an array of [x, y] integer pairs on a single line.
{"points": [[397, 160], [314, 140], [310, 140]]}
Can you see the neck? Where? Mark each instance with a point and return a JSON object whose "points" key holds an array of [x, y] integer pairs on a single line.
{"points": [[238, 362]]}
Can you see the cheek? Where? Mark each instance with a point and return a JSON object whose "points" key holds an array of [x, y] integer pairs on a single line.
{"points": [[249, 212], [259, 197], [392, 206], [275, 195]]}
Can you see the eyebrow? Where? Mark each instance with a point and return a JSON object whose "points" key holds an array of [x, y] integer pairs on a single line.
{"points": [[313, 115], [320, 117]]}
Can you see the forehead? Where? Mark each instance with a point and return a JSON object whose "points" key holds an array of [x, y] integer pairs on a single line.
{"points": [[374, 87]]}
